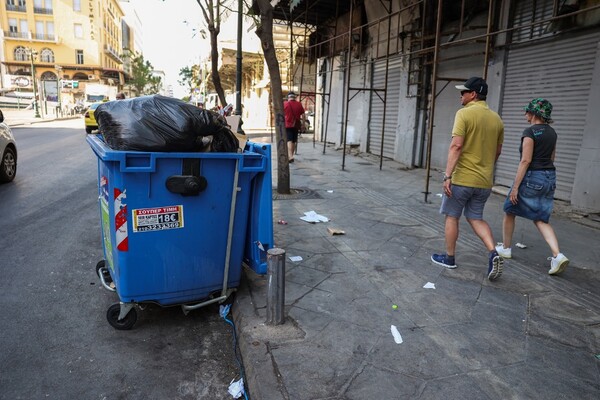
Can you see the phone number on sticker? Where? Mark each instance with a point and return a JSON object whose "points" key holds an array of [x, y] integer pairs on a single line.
{"points": [[158, 227]]}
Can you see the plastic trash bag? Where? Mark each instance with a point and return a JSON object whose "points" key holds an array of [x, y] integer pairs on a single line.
{"points": [[163, 124]]}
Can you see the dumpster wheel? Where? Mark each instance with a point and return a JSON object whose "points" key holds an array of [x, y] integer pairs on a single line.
{"points": [[113, 313]]}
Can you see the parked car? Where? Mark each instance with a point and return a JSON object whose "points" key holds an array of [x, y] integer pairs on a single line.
{"points": [[90, 119], [8, 150]]}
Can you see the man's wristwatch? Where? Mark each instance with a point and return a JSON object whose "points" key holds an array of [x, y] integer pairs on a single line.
{"points": [[446, 178]]}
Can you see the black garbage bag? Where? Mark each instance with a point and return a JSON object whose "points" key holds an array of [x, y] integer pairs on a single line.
{"points": [[163, 124]]}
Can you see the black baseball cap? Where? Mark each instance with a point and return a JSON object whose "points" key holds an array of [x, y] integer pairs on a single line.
{"points": [[475, 84]]}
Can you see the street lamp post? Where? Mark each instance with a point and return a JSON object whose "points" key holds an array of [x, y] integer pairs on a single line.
{"points": [[58, 89], [32, 55]]}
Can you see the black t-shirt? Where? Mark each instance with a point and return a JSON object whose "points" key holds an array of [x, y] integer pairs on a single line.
{"points": [[544, 142]]}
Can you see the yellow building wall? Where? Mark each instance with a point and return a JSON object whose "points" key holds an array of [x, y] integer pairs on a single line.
{"points": [[101, 24]]}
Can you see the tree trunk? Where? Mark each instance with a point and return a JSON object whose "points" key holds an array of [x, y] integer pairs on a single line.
{"points": [[265, 32], [214, 58], [211, 12]]}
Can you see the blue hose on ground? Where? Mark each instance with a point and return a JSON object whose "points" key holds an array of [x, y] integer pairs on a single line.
{"points": [[224, 312]]}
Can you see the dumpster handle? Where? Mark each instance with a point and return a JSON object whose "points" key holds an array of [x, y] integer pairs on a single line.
{"points": [[230, 232], [261, 168], [189, 307]]}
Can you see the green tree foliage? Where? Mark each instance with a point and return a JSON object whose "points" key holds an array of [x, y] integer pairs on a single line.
{"points": [[142, 79], [189, 78]]}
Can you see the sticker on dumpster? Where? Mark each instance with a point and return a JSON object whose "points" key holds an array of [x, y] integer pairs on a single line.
{"points": [[106, 221], [120, 210], [157, 219]]}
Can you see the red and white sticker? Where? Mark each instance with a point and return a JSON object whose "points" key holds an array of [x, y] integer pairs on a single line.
{"points": [[120, 209], [158, 218]]}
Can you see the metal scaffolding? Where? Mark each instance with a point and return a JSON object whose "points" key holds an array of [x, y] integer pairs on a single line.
{"points": [[422, 51]]}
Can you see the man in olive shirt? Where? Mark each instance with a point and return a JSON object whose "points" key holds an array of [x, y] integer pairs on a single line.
{"points": [[476, 144]]}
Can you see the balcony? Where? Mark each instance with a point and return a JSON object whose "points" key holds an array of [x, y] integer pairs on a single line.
{"points": [[44, 36], [16, 35], [112, 53], [41, 10], [13, 7]]}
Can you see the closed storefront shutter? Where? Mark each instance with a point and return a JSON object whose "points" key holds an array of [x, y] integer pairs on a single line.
{"points": [[377, 104], [561, 71]]}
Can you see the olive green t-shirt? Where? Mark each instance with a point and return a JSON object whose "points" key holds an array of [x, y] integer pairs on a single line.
{"points": [[483, 131]]}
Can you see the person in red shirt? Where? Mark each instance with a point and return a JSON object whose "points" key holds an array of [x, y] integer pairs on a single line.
{"points": [[294, 119]]}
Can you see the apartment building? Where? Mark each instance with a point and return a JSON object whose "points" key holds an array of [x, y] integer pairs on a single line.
{"points": [[73, 48]]}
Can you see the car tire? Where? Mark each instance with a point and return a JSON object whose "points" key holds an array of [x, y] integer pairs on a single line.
{"points": [[8, 165]]}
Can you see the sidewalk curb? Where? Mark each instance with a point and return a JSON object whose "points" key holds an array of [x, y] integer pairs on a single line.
{"points": [[40, 120], [256, 358]]}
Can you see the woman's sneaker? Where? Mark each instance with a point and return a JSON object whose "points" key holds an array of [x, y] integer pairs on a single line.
{"points": [[444, 260], [558, 264], [503, 252]]}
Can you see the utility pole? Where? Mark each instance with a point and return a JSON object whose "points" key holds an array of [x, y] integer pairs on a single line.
{"points": [[58, 89], [32, 55], [238, 74]]}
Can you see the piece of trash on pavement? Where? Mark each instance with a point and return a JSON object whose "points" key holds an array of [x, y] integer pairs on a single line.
{"points": [[396, 334], [520, 245], [236, 389], [394, 306], [429, 285], [282, 222], [260, 246], [439, 195], [335, 231], [313, 217], [330, 191], [295, 258]]}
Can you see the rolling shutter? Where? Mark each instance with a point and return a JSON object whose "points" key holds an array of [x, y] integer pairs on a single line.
{"points": [[560, 71], [377, 105]]}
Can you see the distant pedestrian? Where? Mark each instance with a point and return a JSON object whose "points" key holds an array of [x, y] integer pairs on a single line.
{"points": [[294, 120], [120, 96], [477, 137], [532, 192]]}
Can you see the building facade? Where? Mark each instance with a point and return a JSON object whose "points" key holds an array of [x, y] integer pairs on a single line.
{"points": [[386, 73], [72, 48]]}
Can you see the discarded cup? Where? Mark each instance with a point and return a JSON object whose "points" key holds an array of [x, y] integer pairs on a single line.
{"points": [[282, 222]]}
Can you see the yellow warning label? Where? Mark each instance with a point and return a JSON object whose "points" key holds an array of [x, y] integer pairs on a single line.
{"points": [[158, 218]]}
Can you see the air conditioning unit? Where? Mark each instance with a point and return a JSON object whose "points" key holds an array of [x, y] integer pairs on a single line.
{"points": [[92, 77]]}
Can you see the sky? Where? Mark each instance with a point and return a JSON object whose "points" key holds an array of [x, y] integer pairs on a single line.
{"points": [[170, 36]]}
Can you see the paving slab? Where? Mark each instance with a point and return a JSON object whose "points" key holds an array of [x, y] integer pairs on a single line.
{"points": [[527, 335]]}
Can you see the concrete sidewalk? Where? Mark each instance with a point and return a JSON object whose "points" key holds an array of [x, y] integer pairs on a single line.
{"points": [[23, 117], [527, 335]]}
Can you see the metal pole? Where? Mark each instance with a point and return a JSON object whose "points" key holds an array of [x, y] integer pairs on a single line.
{"points": [[276, 286], [328, 94], [488, 40], [59, 89], [347, 80], [32, 54], [232, 209], [238, 75], [385, 85], [433, 89]]}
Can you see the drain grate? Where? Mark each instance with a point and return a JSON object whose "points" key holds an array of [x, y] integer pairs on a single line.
{"points": [[297, 194]]}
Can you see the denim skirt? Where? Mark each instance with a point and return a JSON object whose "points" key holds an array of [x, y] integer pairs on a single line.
{"points": [[536, 196]]}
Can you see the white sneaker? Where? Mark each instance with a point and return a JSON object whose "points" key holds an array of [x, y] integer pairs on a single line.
{"points": [[502, 252], [558, 264]]}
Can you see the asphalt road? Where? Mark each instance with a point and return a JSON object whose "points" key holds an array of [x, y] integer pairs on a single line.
{"points": [[55, 341]]}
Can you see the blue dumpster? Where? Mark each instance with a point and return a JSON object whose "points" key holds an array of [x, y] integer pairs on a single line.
{"points": [[176, 227]]}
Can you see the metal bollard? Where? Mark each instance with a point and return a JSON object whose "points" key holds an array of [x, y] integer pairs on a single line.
{"points": [[276, 286]]}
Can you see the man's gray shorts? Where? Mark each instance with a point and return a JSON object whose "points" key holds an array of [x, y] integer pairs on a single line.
{"points": [[471, 200]]}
